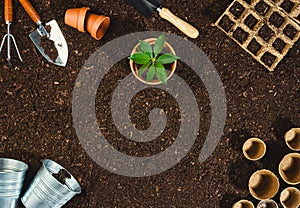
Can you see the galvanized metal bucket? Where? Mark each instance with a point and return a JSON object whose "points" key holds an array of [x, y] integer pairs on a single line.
{"points": [[47, 191], [269, 203], [12, 174]]}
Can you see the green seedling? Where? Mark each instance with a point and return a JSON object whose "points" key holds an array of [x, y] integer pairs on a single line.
{"points": [[153, 60]]}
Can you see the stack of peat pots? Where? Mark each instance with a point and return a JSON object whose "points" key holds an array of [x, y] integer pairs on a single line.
{"points": [[263, 184]]}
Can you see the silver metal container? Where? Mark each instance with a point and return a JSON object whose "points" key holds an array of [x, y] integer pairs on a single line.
{"points": [[12, 174], [269, 203], [46, 191]]}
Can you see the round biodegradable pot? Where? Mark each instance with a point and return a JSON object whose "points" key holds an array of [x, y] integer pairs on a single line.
{"points": [[254, 149], [263, 184], [12, 175], [269, 203], [76, 18], [289, 168], [292, 139], [134, 67], [97, 25], [290, 197], [243, 204]]}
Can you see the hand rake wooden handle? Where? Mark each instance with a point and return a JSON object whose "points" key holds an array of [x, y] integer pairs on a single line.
{"points": [[8, 11], [31, 11], [185, 27]]}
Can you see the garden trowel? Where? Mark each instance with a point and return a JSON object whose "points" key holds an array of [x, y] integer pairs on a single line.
{"points": [[147, 7], [57, 51]]}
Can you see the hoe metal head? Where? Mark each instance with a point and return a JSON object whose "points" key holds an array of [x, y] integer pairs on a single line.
{"points": [[145, 7]]}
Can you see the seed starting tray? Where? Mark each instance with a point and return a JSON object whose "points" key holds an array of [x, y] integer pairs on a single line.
{"points": [[266, 29]]}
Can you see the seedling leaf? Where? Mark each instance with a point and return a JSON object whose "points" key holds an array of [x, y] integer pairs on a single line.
{"points": [[161, 72], [143, 69], [146, 48], [167, 58], [151, 73], [159, 44], [140, 58], [160, 68]]}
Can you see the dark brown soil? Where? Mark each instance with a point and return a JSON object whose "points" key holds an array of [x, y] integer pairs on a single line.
{"points": [[254, 46], [237, 9], [266, 33], [240, 35], [226, 23], [268, 58], [279, 45], [276, 19], [61, 176], [290, 31], [251, 21], [49, 48], [287, 5], [36, 109], [262, 7]]}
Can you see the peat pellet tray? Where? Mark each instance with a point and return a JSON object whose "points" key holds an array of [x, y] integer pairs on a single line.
{"points": [[266, 29]]}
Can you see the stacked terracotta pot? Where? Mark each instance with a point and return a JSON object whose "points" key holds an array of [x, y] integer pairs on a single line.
{"points": [[80, 19]]}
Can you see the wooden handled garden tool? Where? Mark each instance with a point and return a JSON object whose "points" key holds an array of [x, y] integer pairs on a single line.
{"points": [[8, 18], [43, 34], [147, 7]]}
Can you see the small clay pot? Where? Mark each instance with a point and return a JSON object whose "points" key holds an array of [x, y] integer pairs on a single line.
{"points": [[289, 168], [96, 25], [290, 197], [135, 69], [292, 139], [263, 184], [254, 149], [243, 204], [269, 203], [76, 18]]}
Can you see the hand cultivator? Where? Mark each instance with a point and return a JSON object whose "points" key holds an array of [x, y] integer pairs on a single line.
{"points": [[48, 32], [8, 18]]}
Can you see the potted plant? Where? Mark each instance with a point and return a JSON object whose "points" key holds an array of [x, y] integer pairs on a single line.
{"points": [[153, 56]]}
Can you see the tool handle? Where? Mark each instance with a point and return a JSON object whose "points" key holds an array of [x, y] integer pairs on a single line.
{"points": [[31, 11], [8, 11], [185, 27]]}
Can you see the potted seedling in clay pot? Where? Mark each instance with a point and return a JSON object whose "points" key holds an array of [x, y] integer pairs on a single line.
{"points": [[153, 61]]}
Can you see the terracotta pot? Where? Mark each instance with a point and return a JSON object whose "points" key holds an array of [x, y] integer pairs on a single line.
{"points": [[263, 184], [290, 197], [289, 168], [96, 25], [254, 149], [292, 139], [76, 18], [243, 204], [134, 67]]}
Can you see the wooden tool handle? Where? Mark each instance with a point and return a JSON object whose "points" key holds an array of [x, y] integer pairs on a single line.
{"points": [[30, 11], [185, 27], [8, 11]]}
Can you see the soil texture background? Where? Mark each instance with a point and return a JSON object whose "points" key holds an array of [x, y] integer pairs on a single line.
{"points": [[36, 109]]}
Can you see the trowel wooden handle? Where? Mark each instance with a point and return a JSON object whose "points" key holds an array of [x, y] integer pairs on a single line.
{"points": [[185, 27], [30, 11], [8, 11]]}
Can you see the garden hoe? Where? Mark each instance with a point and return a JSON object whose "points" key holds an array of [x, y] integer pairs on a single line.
{"points": [[50, 31], [8, 18], [147, 7]]}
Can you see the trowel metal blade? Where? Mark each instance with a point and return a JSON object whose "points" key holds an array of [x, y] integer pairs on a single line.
{"points": [[145, 7], [59, 41]]}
